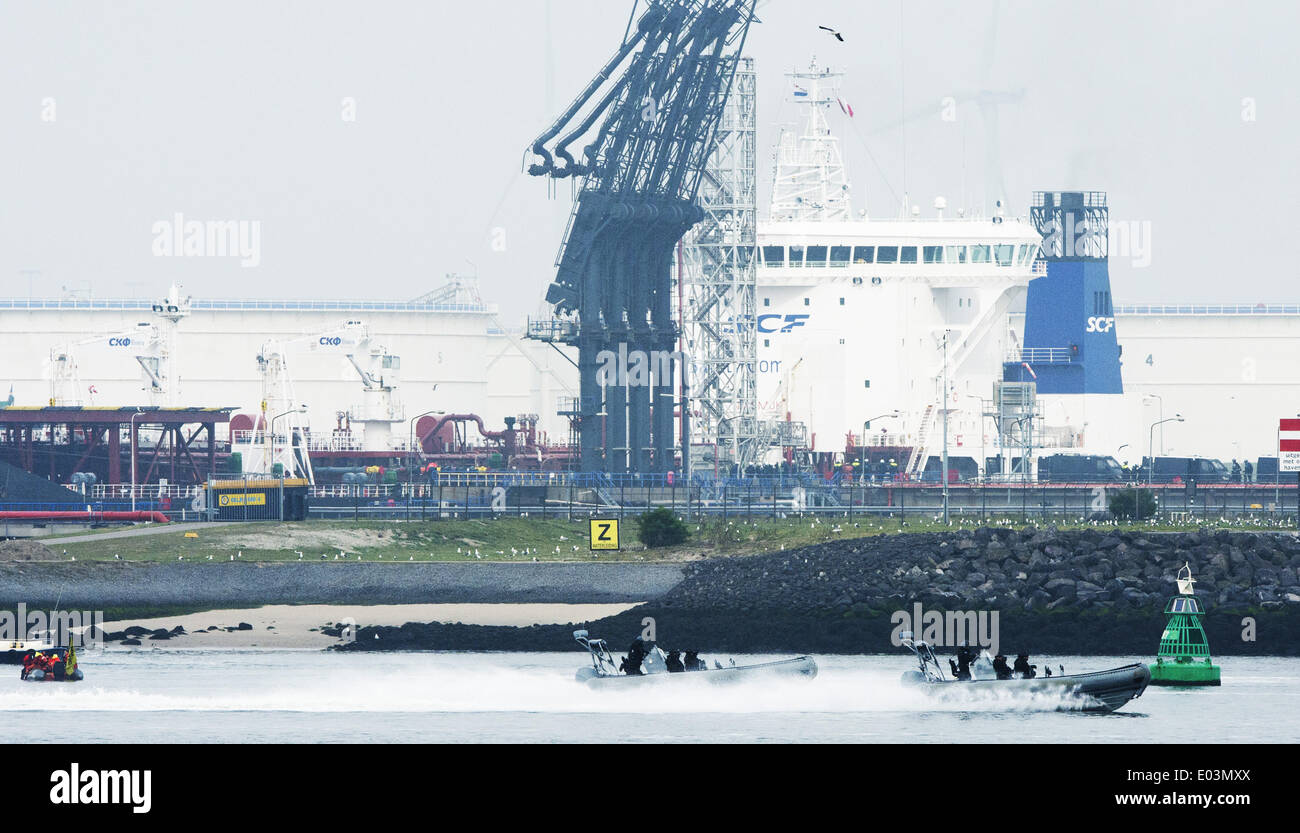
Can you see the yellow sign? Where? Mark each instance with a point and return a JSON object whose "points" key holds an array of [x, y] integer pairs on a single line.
{"points": [[242, 500], [604, 535], [191, 535]]}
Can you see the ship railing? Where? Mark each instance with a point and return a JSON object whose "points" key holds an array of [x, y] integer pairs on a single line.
{"points": [[1042, 355], [329, 442], [1208, 309], [141, 491]]}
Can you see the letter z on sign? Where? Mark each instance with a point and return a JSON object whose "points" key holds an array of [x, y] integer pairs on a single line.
{"points": [[604, 535]]}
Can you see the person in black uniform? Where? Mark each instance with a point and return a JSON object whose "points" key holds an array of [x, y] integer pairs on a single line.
{"points": [[1024, 669], [965, 656], [631, 663], [1001, 668], [674, 662]]}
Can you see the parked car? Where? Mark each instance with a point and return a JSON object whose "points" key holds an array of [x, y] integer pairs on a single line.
{"points": [[1079, 468]]}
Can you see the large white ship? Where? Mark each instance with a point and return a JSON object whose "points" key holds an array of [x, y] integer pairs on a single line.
{"points": [[857, 316], [862, 320]]}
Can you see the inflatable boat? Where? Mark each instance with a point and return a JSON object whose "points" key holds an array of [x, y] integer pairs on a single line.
{"points": [[1097, 691], [648, 663], [52, 665]]}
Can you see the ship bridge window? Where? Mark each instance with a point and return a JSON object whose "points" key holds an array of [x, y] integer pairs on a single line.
{"points": [[840, 255], [864, 254], [816, 256], [932, 254], [1024, 252], [796, 257], [979, 254], [1004, 254], [909, 254], [955, 254], [887, 254], [774, 255]]}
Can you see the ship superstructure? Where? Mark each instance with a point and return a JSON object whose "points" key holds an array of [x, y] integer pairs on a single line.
{"points": [[852, 311]]}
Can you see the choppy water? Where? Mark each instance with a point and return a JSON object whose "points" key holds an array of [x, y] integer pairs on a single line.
{"points": [[307, 696]]}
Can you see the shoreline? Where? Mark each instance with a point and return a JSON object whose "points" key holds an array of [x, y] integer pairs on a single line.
{"points": [[303, 626]]}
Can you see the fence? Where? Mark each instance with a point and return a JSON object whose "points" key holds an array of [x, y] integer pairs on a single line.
{"points": [[565, 495], [598, 495]]}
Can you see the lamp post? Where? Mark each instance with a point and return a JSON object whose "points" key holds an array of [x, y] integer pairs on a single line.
{"points": [[301, 409], [1161, 400], [982, 468], [1024, 464], [944, 413], [866, 426], [410, 450], [134, 454], [1151, 442]]}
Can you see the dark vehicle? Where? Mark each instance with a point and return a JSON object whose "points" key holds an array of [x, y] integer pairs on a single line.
{"points": [[1079, 468], [1266, 470], [1183, 470], [960, 469]]}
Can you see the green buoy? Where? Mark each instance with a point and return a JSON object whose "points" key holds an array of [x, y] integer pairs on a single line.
{"points": [[1184, 655]]}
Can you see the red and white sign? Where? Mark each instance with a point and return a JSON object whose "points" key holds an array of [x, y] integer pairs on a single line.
{"points": [[1288, 445]]}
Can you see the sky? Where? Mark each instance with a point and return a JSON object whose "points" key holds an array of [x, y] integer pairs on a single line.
{"points": [[373, 148]]}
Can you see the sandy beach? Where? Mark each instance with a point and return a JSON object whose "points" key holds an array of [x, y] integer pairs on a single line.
{"points": [[298, 626]]}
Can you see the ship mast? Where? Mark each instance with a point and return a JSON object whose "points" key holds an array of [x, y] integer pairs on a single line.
{"points": [[810, 182]]}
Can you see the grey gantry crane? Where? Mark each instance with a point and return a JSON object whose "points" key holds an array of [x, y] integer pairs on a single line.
{"points": [[646, 125]]}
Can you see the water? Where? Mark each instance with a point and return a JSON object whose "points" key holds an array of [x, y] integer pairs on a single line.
{"points": [[308, 696]]}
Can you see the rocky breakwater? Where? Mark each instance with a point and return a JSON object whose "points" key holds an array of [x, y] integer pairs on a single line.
{"points": [[1091, 591]]}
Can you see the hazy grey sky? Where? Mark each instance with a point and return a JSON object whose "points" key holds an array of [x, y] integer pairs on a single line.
{"points": [[235, 111]]}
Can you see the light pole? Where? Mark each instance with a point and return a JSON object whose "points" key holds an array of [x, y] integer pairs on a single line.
{"points": [[137, 413], [1024, 465], [301, 409], [944, 414], [983, 462], [866, 426], [1151, 442], [410, 449], [1161, 400]]}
